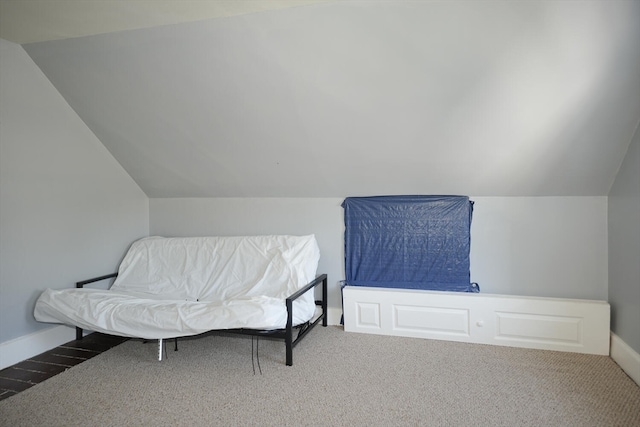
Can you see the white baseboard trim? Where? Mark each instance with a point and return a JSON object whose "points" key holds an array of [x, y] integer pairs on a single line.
{"points": [[626, 357], [21, 348], [334, 315]]}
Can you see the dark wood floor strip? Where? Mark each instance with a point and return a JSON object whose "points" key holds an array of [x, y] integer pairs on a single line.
{"points": [[41, 367], [7, 393], [23, 375], [14, 385], [37, 369]]}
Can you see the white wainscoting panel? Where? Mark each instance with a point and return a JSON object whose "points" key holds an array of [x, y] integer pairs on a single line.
{"points": [[580, 326]]}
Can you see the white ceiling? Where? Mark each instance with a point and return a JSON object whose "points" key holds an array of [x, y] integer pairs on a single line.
{"points": [[347, 98]]}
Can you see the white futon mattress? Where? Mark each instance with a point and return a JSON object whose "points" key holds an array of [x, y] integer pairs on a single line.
{"points": [[172, 287]]}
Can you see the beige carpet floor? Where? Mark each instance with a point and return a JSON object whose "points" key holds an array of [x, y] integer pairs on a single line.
{"points": [[338, 379]]}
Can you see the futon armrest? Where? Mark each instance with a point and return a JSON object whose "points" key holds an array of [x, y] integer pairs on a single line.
{"points": [[95, 279], [323, 303], [312, 284], [288, 339], [86, 282]]}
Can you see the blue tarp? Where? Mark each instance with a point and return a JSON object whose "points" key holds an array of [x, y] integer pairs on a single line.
{"points": [[414, 242]]}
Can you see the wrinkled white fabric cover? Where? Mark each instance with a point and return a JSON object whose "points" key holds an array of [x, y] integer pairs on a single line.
{"points": [[172, 287]]}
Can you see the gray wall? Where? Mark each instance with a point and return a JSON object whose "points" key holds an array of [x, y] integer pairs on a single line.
{"points": [[68, 210], [541, 246], [624, 248]]}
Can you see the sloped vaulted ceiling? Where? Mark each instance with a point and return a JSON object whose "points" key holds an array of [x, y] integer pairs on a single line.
{"points": [[485, 98]]}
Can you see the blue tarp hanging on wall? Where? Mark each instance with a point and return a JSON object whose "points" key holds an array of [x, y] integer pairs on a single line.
{"points": [[414, 242]]}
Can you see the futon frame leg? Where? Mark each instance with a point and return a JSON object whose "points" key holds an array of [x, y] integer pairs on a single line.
{"points": [[288, 336], [289, 351]]}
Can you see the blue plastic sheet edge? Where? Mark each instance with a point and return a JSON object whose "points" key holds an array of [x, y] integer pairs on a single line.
{"points": [[470, 287]]}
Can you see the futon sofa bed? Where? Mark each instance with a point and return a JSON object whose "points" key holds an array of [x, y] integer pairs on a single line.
{"points": [[184, 286]]}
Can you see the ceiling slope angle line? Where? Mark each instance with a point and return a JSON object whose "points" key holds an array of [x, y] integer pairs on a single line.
{"points": [[34, 21]]}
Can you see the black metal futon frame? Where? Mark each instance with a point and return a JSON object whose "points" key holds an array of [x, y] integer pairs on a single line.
{"points": [[286, 334]]}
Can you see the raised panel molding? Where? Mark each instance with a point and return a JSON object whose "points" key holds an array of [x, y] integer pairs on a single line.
{"points": [[368, 315], [540, 328], [431, 319]]}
